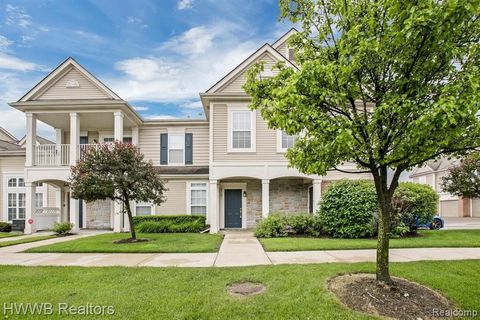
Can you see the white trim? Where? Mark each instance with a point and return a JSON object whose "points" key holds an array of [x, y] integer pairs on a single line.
{"points": [[143, 204], [246, 63], [61, 70], [284, 38], [171, 133], [232, 185], [188, 196], [242, 107]]}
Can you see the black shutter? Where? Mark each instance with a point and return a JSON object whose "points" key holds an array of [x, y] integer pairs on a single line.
{"points": [[188, 148], [164, 148]]}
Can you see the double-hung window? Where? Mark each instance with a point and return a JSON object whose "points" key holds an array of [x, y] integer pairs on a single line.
{"points": [[198, 198], [285, 141], [15, 198], [242, 134], [143, 209], [176, 148]]}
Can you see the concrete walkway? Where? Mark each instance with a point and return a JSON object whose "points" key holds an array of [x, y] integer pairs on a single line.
{"points": [[462, 223], [238, 249], [26, 236]]}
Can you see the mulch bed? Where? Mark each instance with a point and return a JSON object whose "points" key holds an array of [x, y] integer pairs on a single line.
{"points": [[130, 240], [406, 300], [243, 289]]}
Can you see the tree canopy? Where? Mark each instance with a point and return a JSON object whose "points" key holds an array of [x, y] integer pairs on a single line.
{"points": [[463, 179], [384, 84], [118, 172]]}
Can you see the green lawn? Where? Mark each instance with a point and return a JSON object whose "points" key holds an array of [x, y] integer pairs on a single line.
{"points": [[293, 291], [159, 242], [25, 240], [10, 234], [427, 239]]}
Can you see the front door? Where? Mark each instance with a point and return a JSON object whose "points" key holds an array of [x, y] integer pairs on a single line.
{"points": [[233, 208]]}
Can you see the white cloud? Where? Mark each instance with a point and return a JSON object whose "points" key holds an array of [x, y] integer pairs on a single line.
{"points": [[17, 16], [10, 62], [160, 117], [192, 105], [184, 4], [5, 43], [182, 67], [88, 35], [193, 41], [140, 108]]}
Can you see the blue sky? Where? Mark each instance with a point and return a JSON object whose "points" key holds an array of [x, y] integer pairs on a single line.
{"points": [[157, 55]]}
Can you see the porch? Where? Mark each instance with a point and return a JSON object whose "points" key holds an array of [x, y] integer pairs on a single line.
{"points": [[241, 202]]}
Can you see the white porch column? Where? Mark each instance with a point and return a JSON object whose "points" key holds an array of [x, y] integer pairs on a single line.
{"points": [[317, 191], [265, 198], [74, 214], [58, 142], [135, 136], [118, 126], [30, 138], [213, 211], [30, 203], [117, 216], [74, 137], [64, 205], [58, 202]]}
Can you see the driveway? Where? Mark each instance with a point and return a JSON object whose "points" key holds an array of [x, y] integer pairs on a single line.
{"points": [[462, 223]]}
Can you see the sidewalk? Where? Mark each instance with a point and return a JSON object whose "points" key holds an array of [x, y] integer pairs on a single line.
{"points": [[238, 249], [26, 236]]}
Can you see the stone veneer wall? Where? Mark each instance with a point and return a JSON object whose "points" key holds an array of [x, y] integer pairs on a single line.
{"points": [[288, 196], [254, 202], [98, 214]]}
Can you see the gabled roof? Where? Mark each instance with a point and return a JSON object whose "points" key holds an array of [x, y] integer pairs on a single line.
{"points": [[266, 48], [10, 136], [284, 38], [40, 140], [57, 74]]}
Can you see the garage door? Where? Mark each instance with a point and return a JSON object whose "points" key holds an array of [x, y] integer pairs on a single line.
{"points": [[449, 208], [476, 208]]}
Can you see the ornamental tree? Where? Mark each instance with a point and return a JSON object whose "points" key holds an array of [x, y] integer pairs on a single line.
{"points": [[117, 172], [384, 84], [463, 179]]}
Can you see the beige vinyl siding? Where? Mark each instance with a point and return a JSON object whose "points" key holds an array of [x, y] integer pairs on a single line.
{"points": [[8, 165], [149, 143], [51, 196], [283, 49], [5, 137], [176, 202], [266, 140], [87, 89], [235, 85]]}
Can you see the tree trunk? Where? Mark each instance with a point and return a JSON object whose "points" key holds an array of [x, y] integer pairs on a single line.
{"points": [[384, 197], [126, 204]]}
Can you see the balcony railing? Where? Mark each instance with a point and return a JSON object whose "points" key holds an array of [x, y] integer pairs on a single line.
{"points": [[51, 155]]}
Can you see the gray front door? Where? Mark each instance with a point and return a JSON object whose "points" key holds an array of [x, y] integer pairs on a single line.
{"points": [[233, 208]]}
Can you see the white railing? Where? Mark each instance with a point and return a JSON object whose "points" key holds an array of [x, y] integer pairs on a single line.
{"points": [[49, 155], [47, 211], [52, 155]]}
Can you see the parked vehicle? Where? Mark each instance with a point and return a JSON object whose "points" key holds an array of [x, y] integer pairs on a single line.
{"points": [[436, 223]]}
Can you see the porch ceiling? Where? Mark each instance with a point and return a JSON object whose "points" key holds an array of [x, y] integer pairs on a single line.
{"points": [[93, 121]]}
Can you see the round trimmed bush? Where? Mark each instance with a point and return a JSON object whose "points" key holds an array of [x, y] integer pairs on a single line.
{"points": [[348, 208], [415, 202]]}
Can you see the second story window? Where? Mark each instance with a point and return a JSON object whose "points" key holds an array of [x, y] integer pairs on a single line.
{"points": [[285, 141], [242, 135], [176, 148]]}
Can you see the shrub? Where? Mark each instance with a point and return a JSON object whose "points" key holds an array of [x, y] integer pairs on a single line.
{"points": [[413, 201], [62, 228], [277, 225], [272, 227], [347, 209], [5, 227], [170, 224], [175, 219]]}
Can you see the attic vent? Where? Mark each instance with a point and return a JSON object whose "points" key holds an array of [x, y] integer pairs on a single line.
{"points": [[72, 84]]}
